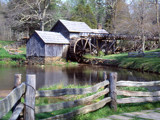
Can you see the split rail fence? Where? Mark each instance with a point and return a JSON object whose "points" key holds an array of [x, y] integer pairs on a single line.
{"points": [[27, 109], [142, 54]]}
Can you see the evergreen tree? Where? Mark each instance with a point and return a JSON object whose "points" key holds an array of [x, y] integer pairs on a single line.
{"points": [[84, 14]]}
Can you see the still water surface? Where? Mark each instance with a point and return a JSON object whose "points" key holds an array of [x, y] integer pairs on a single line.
{"points": [[78, 75]]}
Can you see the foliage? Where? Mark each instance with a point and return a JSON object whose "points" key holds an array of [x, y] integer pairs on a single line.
{"points": [[101, 53], [84, 13]]}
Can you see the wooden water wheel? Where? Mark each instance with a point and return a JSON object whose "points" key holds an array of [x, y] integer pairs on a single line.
{"points": [[78, 48]]}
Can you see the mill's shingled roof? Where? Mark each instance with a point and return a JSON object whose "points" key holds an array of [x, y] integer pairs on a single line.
{"points": [[74, 26], [52, 37]]}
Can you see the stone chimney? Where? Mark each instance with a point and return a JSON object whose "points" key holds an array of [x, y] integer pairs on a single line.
{"points": [[99, 26]]}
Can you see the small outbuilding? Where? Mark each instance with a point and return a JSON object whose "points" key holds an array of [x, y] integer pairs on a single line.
{"points": [[70, 29], [46, 47]]}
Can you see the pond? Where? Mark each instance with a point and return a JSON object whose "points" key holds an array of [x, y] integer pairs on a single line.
{"points": [[78, 75]]}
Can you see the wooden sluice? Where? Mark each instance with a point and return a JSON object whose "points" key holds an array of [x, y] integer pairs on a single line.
{"points": [[93, 43], [120, 37]]}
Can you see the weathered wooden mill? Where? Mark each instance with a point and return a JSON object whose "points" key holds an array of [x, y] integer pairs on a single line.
{"points": [[81, 40]]}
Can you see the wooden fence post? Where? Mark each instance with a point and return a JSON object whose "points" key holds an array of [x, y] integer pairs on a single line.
{"points": [[113, 91], [30, 97], [17, 82], [104, 76]]}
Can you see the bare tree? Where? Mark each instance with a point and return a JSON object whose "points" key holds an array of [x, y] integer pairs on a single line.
{"points": [[27, 15], [143, 20], [5, 32]]}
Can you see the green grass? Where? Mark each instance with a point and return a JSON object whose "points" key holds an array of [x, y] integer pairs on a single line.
{"points": [[61, 86], [106, 111], [150, 64], [134, 89], [7, 116], [6, 58], [3, 43]]}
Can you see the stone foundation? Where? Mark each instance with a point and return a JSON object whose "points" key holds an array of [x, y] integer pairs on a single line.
{"points": [[50, 60], [42, 60]]}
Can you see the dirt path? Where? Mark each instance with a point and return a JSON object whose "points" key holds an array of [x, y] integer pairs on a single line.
{"points": [[142, 115]]}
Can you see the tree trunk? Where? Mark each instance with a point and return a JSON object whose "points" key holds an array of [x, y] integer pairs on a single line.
{"points": [[157, 12], [42, 25], [143, 43], [142, 24]]}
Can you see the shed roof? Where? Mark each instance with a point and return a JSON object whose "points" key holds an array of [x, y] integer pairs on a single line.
{"points": [[74, 26], [52, 37], [102, 31]]}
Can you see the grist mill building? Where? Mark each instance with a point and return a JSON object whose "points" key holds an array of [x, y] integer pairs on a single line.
{"points": [[48, 46]]}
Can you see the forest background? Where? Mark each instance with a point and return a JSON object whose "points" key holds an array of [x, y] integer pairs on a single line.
{"points": [[19, 18]]}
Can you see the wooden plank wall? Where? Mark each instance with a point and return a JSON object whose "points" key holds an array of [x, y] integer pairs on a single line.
{"points": [[35, 46], [55, 50]]}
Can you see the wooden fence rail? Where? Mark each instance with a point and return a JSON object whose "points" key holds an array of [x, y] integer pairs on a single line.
{"points": [[71, 91], [106, 84], [53, 107], [13, 101], [109, 89], [141, 54], [137, 96]]}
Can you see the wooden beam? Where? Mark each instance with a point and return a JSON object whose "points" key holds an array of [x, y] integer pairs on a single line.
{"points": [[8, 102], [137, 84], [29, 113], [138, 100], [17, 111], [120, 37], [58, 106], [113, 91], [71, 91], [138, 93], [83, 110]]}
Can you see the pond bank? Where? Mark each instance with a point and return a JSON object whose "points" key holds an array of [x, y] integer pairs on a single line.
{"points": [[11, 54], [147, 64]]}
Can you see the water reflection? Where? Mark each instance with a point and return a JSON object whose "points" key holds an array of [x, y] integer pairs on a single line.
{"points": [[79, 75], [50, 75]]}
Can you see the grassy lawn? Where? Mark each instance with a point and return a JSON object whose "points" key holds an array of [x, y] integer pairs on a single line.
{"points": [[146, 63], [6, 58], [3, 43]]}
